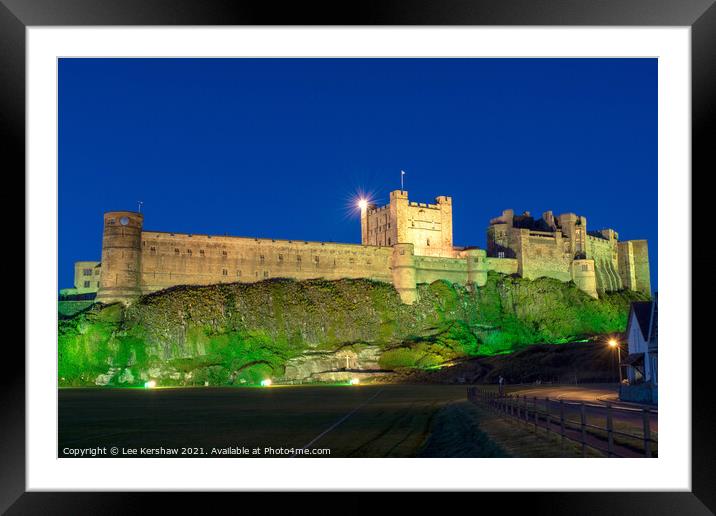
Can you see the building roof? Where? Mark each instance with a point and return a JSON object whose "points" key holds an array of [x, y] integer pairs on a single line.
{"points": [[646, 313]]}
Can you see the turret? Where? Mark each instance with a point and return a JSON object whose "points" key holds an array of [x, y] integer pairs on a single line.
{"points": [[121, 257], [584, 276], [476, 266], [403, 271]]}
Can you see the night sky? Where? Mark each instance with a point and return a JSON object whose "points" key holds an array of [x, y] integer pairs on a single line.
{"points": [[279, 148]]}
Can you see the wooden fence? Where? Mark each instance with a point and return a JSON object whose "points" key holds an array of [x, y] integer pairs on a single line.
{"points": [[553, 417]]}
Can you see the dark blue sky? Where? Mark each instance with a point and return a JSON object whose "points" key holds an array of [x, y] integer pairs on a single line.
{"points": [[279, 147]]}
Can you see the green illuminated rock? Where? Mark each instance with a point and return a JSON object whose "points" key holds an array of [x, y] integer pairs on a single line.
{"points": [[239, 334]]}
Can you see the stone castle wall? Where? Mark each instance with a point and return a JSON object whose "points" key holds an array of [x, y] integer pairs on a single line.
{"points": [[606, 264], [170, 259], [404, 243], [543, 255]]}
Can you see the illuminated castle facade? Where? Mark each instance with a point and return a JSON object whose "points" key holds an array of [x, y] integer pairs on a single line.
{"points": [[404, 243]]}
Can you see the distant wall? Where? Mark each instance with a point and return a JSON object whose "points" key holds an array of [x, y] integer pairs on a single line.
{"points": [[606, 264], [543, 254], [170, 259], [431, 268], [502, 265], [641, 266]]}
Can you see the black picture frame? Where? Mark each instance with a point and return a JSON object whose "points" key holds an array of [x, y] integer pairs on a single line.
{"points": [[700, 15]]}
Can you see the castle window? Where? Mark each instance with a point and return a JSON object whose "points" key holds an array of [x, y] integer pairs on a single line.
{"points": [[266, 274], [389, 241], [98, 284], [188, 251], [585, 267], [280, 257], [428, 242], [298, 258], [501, 254], [87, 284], [152, 249], [315, 259], [224, 272], [224, 253], [176, 251], [87, 272], [96, 272], [261, 258], [201, 252]]}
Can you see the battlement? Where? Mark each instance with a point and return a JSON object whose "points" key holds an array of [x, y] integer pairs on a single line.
{"points": [[189, 238]]}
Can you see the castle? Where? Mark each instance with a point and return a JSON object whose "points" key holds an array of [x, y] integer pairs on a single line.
{"points": [[404, 243]]}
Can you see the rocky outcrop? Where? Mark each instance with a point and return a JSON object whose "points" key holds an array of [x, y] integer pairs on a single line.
{"points": [[241, 334], [342, 365]]}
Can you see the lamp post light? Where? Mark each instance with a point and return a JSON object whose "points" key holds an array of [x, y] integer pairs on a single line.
{"points": [[614, 344]]}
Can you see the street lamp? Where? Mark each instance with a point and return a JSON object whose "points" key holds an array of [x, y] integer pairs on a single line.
{"points": [[614, 344]]}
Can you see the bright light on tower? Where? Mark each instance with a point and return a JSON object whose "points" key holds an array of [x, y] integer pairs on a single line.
{"points": [[363, 204], [354, 381], [612, 343], [150, 384], [266, 383]]}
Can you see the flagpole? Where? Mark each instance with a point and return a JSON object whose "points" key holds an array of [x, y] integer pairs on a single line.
{"points": [[402, 173]]}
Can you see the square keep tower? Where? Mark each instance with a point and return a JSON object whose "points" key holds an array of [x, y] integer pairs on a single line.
{"points": [[427, 226]]}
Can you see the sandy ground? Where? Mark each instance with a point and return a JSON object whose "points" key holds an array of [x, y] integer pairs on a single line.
{"points": [[343, 421]]}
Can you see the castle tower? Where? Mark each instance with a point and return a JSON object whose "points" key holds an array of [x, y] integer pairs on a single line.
{"points": [[575, 228], [399, 215], [445, 204], [403, 272], [121, 257], [427, 226], [584, 276], [476, 266]]}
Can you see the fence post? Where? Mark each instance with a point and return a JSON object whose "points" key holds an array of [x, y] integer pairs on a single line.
{"points": [[647, 433], [519, 408], [583, 420], [610, 429], [561, 419], [546, 415], [519, 412], [534, 403]]}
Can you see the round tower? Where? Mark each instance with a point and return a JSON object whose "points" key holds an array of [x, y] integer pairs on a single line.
{"points": [[584, 276], [121, 257], [476, 266], [403, 270]]}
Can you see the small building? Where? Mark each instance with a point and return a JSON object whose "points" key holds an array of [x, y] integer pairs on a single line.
{"points": [[86, 281], [642, 361]]}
